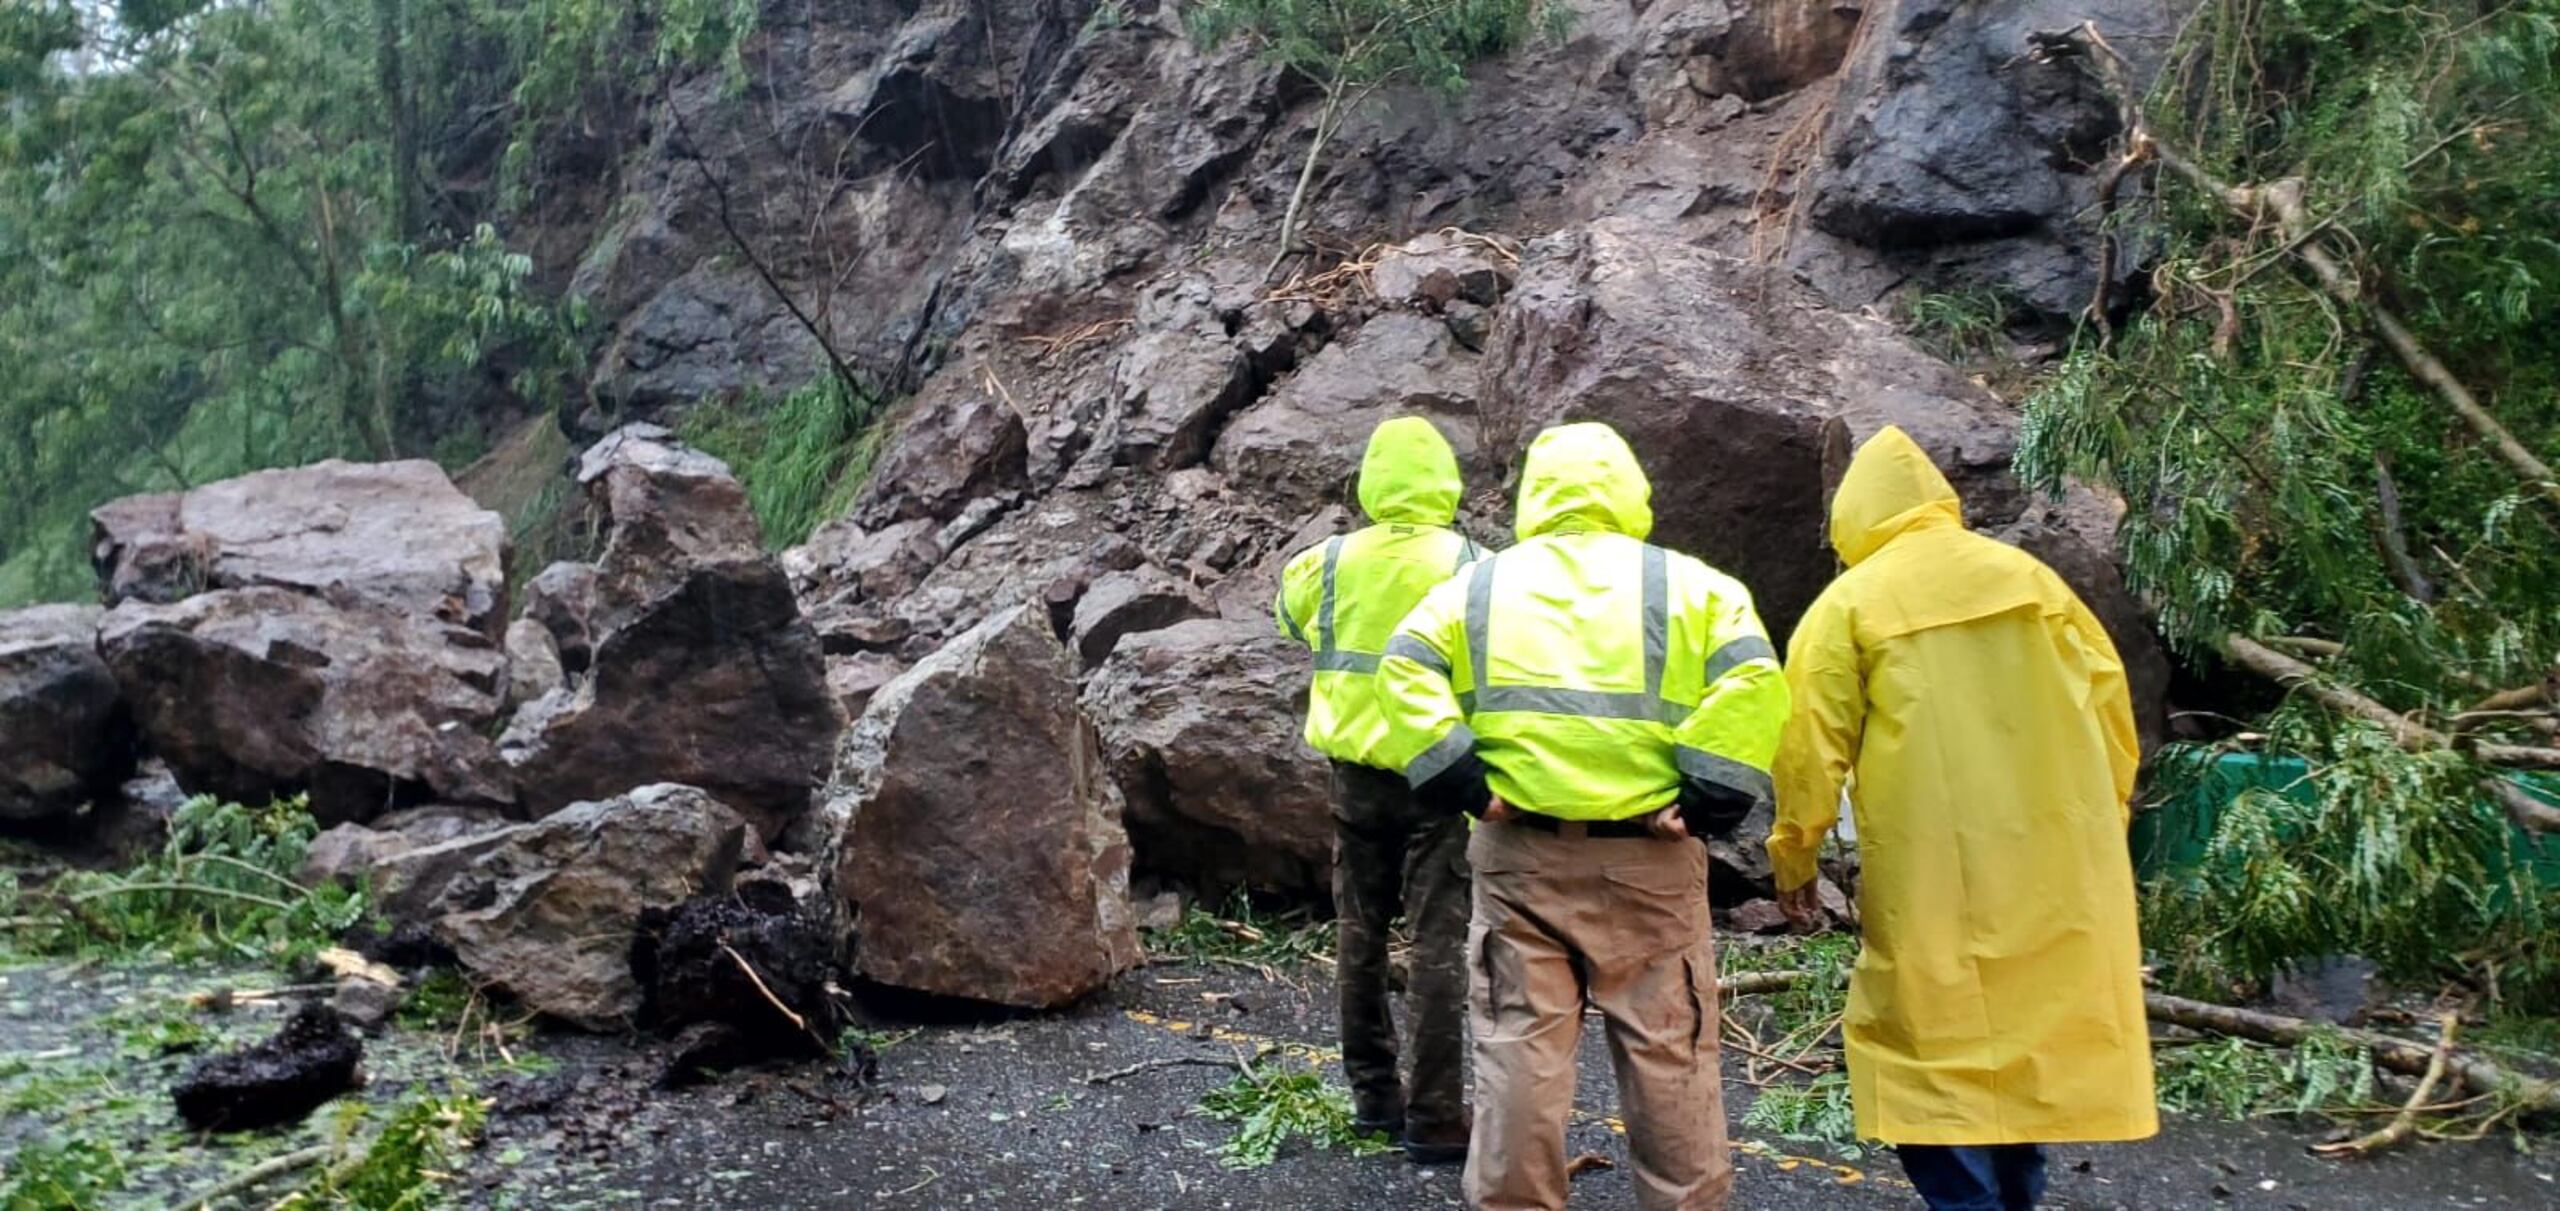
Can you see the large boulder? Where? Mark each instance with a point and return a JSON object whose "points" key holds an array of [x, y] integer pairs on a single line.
{"points": [[65, 738], [398, 536], [547, 911], [981, 853], [1723, 375], [256, 693], [701, 671], [1202, 723], [1961, 158]]}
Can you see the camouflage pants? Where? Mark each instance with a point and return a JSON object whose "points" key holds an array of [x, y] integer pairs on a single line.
{"points": [[1391, 858]]}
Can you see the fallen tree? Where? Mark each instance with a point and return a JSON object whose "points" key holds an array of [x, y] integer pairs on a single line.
{"points": [[2479, 1074]]}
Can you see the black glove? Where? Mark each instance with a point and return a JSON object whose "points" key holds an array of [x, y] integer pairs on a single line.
{"points": [[1459, 788], [1711, 810]]}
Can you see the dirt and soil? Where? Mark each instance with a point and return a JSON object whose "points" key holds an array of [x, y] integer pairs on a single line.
{"points": [[1008, 1113]]}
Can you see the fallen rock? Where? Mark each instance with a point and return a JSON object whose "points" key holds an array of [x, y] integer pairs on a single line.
{"points": [[703, 671], [66, 739], [549, 909], [1722, 375], [1202, 725], [259, 693], [981, 854], [373, 855], [1127, 603], [311, 1060], [1952, 150], [1755, 916], [398, 536]]}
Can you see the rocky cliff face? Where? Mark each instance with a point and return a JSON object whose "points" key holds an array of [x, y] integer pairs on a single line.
{"points": [[1053, 223], [1043, 226]]}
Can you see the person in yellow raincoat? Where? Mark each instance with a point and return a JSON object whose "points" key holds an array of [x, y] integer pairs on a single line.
{"points": [[1979, 718]]}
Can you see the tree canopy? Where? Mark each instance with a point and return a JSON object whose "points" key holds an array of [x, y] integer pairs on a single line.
{"points": [[2308, 501]]}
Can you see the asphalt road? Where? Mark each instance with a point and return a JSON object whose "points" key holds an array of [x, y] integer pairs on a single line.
{"points": [[1001, 1115]]}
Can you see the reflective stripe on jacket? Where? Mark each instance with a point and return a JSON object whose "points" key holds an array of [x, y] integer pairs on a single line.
{"points": [[1590, 671], [1978, 716], [1344, 597]]}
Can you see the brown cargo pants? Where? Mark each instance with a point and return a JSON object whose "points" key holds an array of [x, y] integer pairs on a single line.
{"points": [[1621, 923], [1393, 858]]}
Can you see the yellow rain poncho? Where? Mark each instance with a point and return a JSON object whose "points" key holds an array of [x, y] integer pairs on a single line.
{"points": [[1344, 597], [1979, 718]]}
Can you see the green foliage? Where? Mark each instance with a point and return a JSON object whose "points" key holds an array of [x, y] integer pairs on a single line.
{"points": [[1244, 934], [438, 1001], [1960, 325], [405, 1166], [1272, 1103], [1816, 1112], [1361, 44], [72, 1176], [2237, 1079], [220, 251], [802, 456], [2381, 853], [2271, 454], [221, 886]]}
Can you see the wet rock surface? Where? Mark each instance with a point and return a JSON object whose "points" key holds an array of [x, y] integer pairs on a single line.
{"points": [[312, 1059], [65, 737], [1202, 724], [261, 693], [701, 669], [547, 911], [398, 536], [980, 852]]}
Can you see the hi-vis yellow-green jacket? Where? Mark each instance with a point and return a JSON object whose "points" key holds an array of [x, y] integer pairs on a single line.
{"points": [[1588, 670], [1344, 598], [1979, 719]]}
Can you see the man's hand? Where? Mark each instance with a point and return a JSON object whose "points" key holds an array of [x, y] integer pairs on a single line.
{"points": [[1668, 824], [1496, 811], [1803, 905]]}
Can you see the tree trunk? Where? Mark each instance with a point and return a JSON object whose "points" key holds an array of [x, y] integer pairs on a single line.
{"points": [[390, 77], [1327, 118], [2397, 1054]]}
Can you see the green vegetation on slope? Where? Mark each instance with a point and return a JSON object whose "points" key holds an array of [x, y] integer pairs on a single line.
{"points": [[227, 241]]}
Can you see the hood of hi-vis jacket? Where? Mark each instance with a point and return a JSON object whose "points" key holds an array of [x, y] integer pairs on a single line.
{"points": [[1582, 478], [1978, 718], [1342, 598], [1409, 476]]}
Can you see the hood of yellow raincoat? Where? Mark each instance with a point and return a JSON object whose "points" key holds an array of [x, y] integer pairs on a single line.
{"points": [[1891, 489], [1409, 476], [1582, 477]]}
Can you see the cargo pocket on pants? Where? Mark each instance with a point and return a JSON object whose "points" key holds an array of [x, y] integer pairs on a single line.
{"points": [[1702, 1005]]}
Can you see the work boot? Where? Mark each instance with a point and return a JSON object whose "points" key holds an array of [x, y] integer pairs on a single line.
{"points": [[1440, 1144], [1377, 1117]]}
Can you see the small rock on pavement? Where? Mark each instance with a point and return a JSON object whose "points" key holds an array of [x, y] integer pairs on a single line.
{"points": [[931, 1095], [313, 1059]]}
